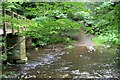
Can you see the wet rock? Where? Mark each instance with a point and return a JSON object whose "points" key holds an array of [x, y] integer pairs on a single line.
{"points": [[97, 74], [106, 46], [101, 51], [75, 77], [64, 68], [65, 76], [38, 72], [76, 72], [85, 75], [80, 55], [36, 49], [33, 76], [90, 48], [107, 76], [30, 76], [49, 76], [67, 53]]}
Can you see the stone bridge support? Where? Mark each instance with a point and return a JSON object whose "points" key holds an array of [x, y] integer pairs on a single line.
{"points": [[17, 49], [29, 43]]}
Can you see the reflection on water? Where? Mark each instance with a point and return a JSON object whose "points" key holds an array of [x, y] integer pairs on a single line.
{"points": [[76, 62]]}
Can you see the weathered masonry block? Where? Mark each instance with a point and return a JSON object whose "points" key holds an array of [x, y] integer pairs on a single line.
{"points": [[17, 49], [29, 43]]}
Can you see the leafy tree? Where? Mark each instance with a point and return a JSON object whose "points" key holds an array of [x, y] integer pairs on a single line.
{"points": [[49, 20]]}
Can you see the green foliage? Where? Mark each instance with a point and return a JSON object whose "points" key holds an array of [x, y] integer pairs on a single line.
{"points": [[3, 57], [111, 37], [1, 43], [48, 31], [52, 9], [17, 23], [105, 22], [8, 5], [50, 20], [69, 46]]}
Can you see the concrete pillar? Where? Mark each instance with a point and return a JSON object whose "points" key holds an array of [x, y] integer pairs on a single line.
{"points": [[29, 43], [16, 54], [13, 52], [23, 57]]}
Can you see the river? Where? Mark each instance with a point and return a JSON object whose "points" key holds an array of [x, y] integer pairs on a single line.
{"points": [[83, 59], [57, 61]]}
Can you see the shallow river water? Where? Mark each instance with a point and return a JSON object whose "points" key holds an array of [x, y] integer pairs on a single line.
{"points": [[76, 62]]}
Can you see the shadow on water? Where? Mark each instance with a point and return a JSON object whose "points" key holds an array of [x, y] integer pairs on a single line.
{"points": [[77, 62]]}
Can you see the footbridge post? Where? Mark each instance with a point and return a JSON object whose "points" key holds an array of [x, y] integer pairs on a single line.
{"points": [[22, 54], [17, 48]]}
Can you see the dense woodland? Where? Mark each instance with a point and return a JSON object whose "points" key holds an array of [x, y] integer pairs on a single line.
{"points": [[50, 20]]}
